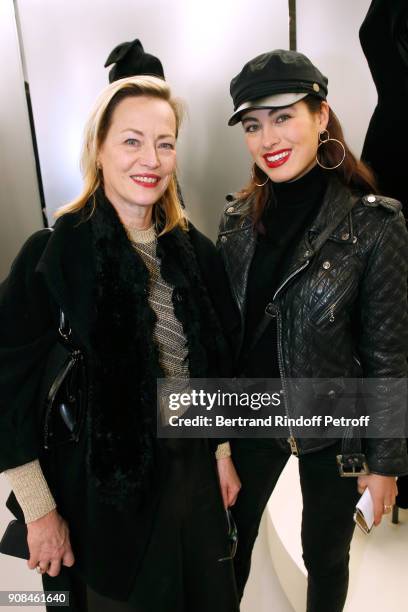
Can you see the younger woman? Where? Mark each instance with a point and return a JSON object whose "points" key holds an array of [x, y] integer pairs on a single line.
{"points": [[318, 267]]}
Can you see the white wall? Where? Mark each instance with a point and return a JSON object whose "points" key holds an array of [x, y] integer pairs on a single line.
{"points": [[327, 32], [20, 208], [202, 46]]}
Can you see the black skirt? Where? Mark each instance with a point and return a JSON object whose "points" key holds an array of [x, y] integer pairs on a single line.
{"points": [[181, 570]]}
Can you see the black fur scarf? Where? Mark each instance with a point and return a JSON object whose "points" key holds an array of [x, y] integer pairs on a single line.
{"points": [[123, 453]]}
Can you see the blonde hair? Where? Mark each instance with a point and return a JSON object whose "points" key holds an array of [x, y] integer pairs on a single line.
{"points": [[168, 212]]}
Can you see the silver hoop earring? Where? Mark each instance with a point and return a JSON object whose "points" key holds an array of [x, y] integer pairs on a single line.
{"points": [[253, 178], [325, 140]]}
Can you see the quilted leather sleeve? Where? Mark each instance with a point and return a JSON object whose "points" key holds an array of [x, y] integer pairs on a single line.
{"points": [[383, 344]]}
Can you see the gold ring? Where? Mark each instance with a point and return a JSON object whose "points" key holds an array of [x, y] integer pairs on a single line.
{"points": [[387, 509]]}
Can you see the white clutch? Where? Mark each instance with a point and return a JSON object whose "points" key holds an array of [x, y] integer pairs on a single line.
{"points": [[364, 513]]}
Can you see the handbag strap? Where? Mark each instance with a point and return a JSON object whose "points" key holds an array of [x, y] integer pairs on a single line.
{"points": [[270, 309]]}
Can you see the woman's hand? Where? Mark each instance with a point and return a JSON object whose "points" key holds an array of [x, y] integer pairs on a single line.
{"points": [[49, 545], [383, 490], [230, 484]]}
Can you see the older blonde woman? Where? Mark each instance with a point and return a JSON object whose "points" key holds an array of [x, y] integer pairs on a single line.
{"points": [[122, 520]]}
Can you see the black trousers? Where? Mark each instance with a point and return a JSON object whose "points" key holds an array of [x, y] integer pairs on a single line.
{"points": [[327, 518]]}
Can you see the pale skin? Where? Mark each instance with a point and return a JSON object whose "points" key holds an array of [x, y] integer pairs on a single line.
{"points": [[296, 130], [137, 160], [49, 545], [229, 481]]}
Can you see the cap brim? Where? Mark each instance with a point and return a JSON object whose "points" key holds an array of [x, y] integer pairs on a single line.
{"points": [[275, 101]]}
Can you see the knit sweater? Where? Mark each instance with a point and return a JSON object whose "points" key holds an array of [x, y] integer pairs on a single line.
{"points": [[168, 333], [27, 481]]}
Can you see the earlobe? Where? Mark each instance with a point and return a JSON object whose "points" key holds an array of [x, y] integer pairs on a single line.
{"points": [[324, 115]]}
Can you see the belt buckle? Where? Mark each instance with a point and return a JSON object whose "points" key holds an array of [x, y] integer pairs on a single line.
{"points": [[353, 465]]}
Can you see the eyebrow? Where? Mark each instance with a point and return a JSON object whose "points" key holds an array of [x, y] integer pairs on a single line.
{"points": [[141, 133], [271, 112]]}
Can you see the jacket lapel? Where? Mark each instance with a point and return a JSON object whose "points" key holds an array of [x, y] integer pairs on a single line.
{"points": [[333, 211]]}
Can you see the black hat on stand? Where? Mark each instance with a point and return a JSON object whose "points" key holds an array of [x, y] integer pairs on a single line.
{"points": [[130, 59]]}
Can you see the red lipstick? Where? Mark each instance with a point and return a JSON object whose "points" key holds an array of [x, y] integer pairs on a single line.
{"points": [[146, 180], [277, 158]]}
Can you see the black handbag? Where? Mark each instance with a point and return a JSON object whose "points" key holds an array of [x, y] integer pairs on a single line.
{"points": [[65, 402], [63, 418], [14, 540]]}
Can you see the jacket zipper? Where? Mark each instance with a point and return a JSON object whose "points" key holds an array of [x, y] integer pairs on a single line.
{"points": [[285, 282], [330, 310], [357, 360], [231, 231], [291, 440]]}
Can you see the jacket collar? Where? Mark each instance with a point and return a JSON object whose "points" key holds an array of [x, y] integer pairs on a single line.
{"points": [[333, 211], [68, 263], [334, 207]]}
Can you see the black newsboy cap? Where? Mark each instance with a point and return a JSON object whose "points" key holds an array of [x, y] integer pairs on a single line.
{"points": [[130, 59], [277, 78]]}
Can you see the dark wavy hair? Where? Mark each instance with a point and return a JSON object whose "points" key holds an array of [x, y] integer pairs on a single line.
{"points": [[352, 172]]}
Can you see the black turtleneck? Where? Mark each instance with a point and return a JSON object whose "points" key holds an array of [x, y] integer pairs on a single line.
{"points": [[290, 210]]}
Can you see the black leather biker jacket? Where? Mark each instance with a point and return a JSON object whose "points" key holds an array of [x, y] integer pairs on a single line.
{"points": [[341, 313]]}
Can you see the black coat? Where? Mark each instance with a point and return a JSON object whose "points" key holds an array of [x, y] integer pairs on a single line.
{"points": [[384, 147], [107, 485], [341, 312]]}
